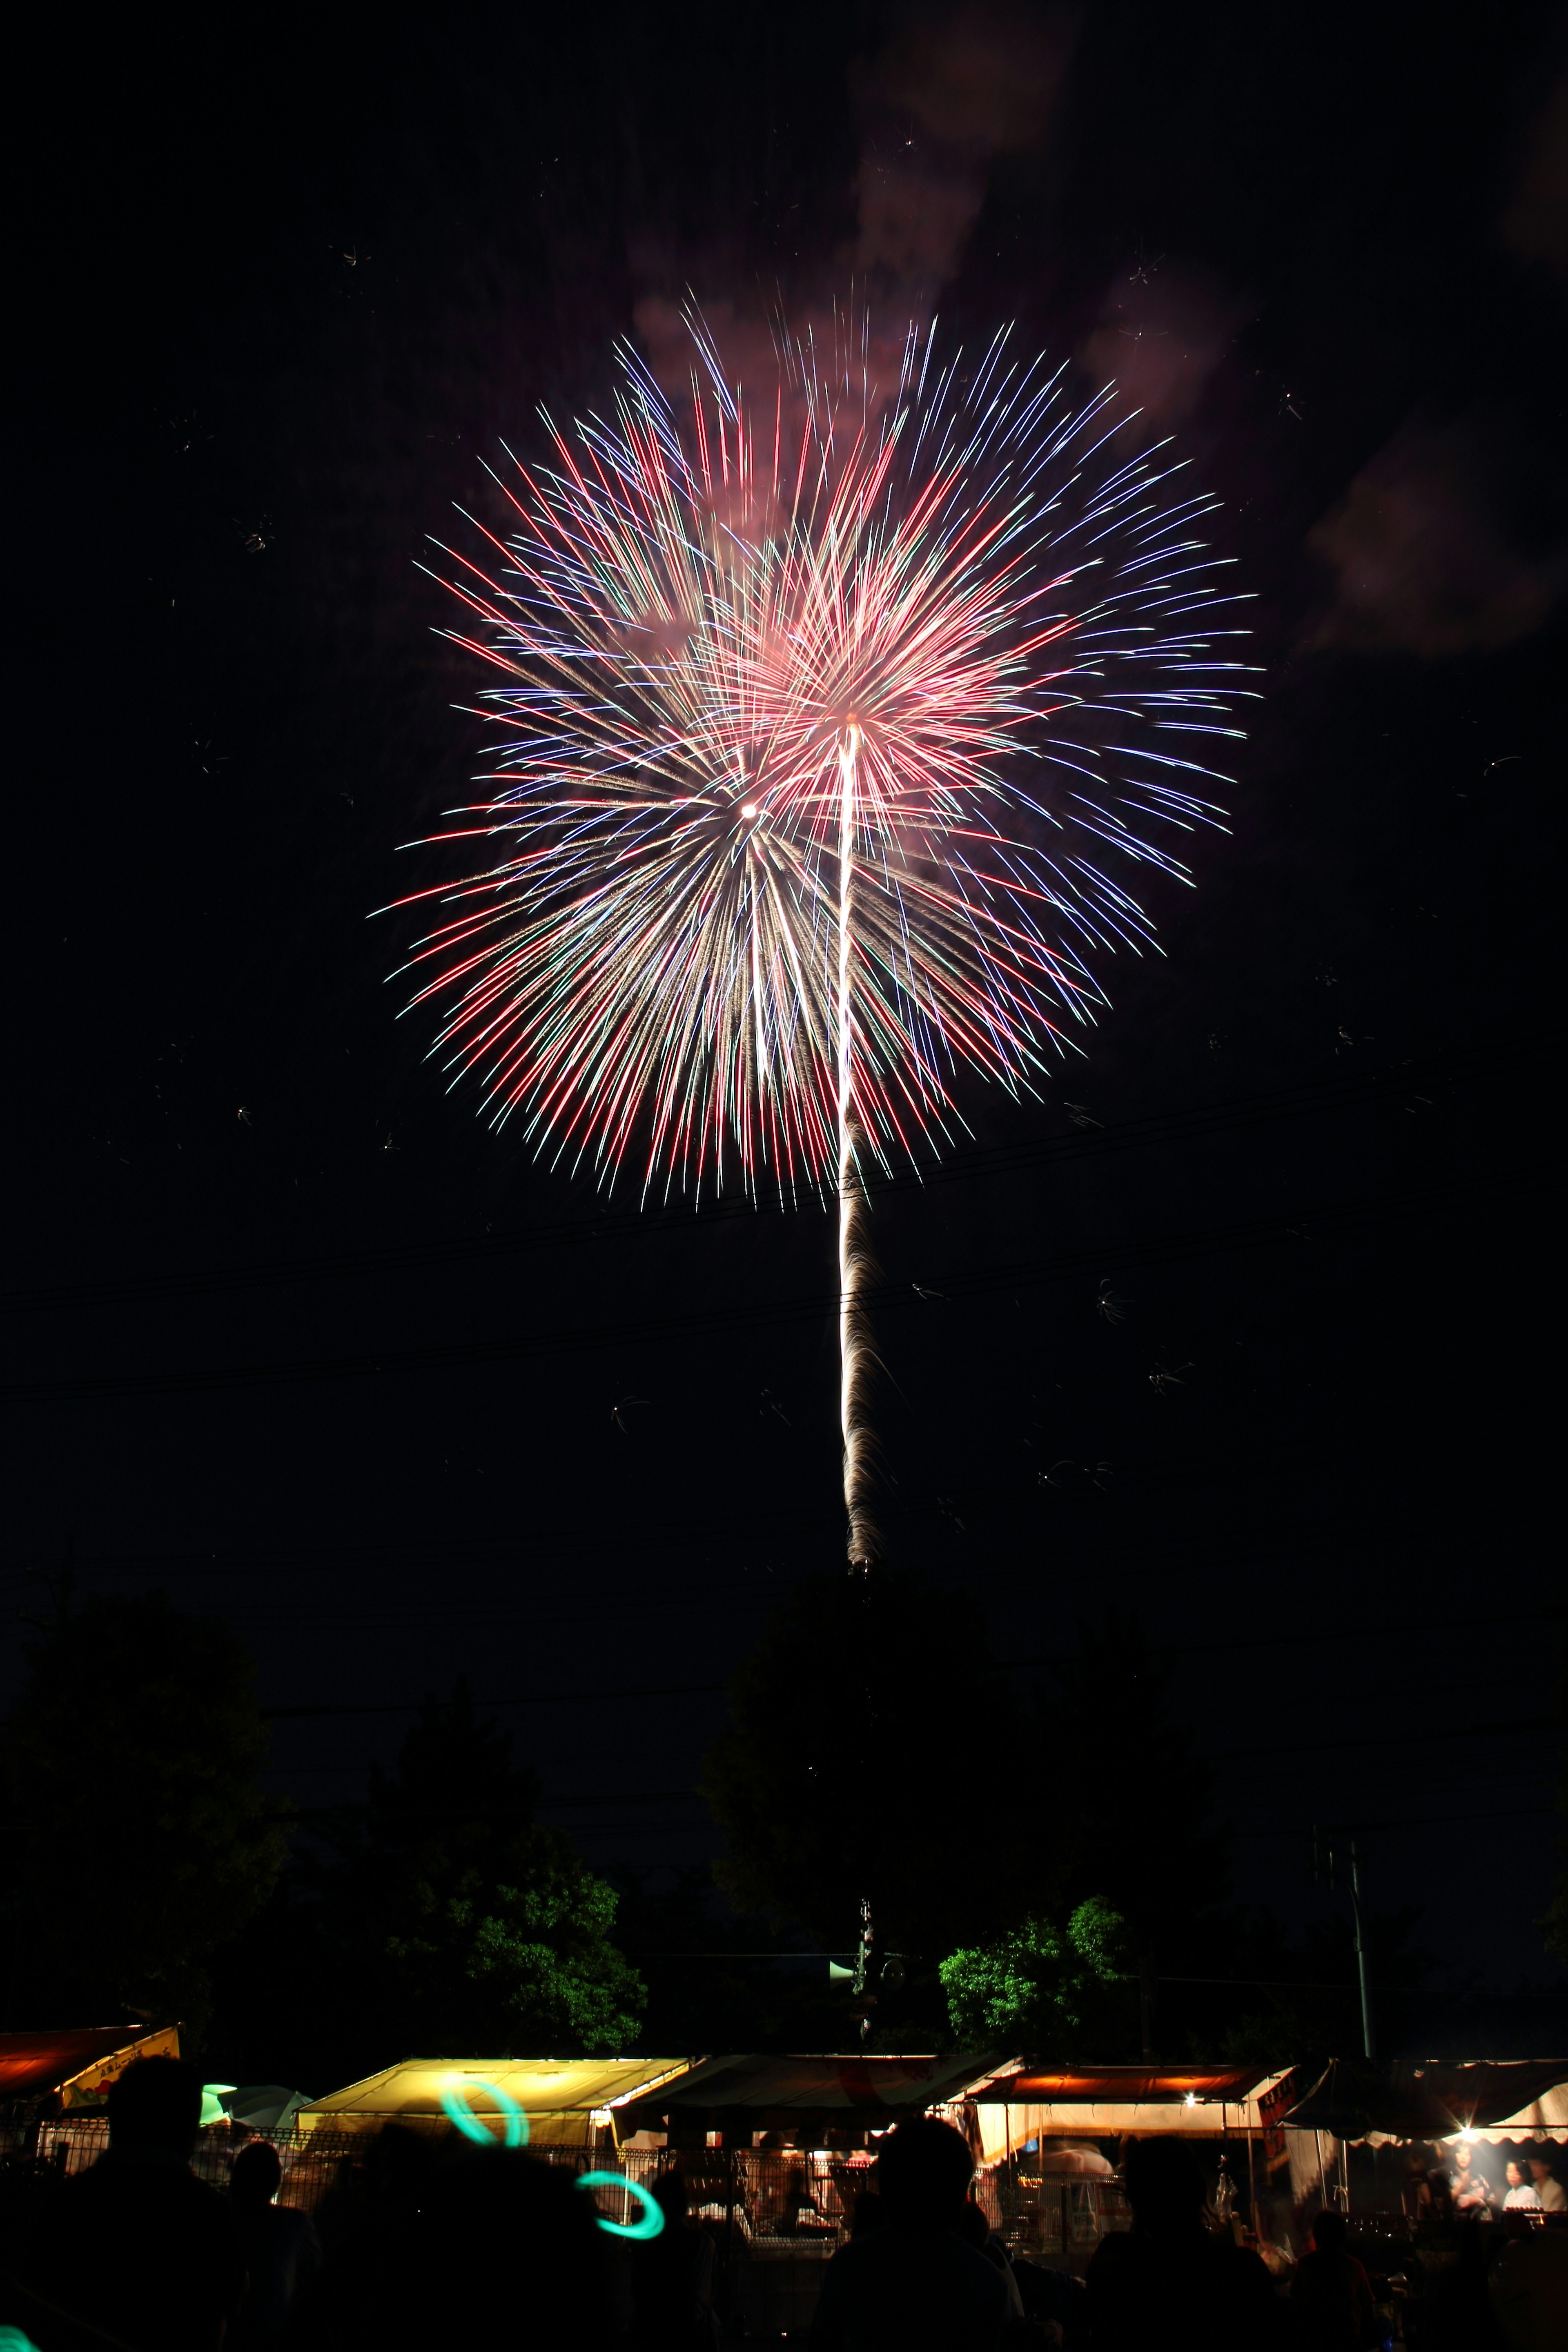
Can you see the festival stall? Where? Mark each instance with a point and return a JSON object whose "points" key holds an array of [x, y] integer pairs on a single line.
{"points": [[1050, 2141], [1415, 2113], [568, 2102], [774, 2152], [803, 2102], [73, 2067]]}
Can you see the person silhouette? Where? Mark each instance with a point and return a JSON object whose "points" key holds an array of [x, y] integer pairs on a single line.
{"points": [[136, 2244], [1330, 2293], [496, 2248], [911, 2284], [280, 2247], [672, 2278], [1167, 2281]]}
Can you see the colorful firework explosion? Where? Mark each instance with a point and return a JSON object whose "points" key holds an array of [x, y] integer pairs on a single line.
{"points": [[821, 722], [954, 629]]}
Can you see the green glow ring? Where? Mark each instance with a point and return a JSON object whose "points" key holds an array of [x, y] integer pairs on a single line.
{"points": [[652, 2220], [456, 2103]]}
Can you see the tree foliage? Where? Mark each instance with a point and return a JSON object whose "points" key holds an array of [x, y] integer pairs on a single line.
{"points": [[143, 1839], [462, 1923], [1037, 1987]]}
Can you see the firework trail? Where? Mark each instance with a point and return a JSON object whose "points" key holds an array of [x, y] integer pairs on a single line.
{"points": [[821, 718]]}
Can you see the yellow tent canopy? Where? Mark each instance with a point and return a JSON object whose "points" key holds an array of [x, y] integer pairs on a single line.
{"points": [[559, 2096]]}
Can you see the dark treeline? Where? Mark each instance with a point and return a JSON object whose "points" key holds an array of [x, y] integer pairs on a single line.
{"points": [[1038, 1863]]}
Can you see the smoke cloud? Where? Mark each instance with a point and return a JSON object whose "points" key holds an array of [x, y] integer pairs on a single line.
{"points": [[938, 106], [1162, 333], [1421, 563]]}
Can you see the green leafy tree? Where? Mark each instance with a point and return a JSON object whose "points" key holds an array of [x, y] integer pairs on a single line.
{"points": [[460, 1922], [141, 1839], [517, 1955], [1037, 1987]]}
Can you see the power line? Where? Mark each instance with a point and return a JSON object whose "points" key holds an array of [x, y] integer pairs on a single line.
{"points": [[1320, 1220], [1545, 1614], [1345, 1090], [1394, 1739], [686, 1530], [1415, 1820], [717, 1690], [518, 1698]]}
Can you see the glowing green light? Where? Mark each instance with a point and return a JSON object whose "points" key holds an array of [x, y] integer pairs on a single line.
{"points": [[652, 2220], [455, 2100], [13, 2339]]}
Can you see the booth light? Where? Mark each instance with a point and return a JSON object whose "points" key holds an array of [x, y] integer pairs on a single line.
{"points": [[1191, 2100]]}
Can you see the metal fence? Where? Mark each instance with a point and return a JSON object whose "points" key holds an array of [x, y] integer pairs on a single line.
{"points": [[775, 2215]]}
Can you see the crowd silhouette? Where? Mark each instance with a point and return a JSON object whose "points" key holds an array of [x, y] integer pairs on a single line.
{"points": [[422, 2241]]}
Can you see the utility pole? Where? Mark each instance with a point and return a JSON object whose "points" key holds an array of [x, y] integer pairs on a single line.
{"points": [[865, 1997], [1363, 1967], [1362, 1961]]}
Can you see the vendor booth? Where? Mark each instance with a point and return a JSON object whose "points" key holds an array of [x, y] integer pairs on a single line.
{"points": [[1050, 2140], [774, 2152], [74, 2067], [62, 2078], [570, 2102], [804, 2103], [1408, 2123]]}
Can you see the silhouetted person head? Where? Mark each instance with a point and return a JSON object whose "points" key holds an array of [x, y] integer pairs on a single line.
{"points": [[1164, 2185], [397, 2161], [508, 2246], [974, 2226], [669, 2194], [156, 2104], [867, 2215], [923, 2172], [256, 2174], [1330, 2231]]}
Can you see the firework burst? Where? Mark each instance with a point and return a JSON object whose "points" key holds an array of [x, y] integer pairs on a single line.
{"points": [[823, 719]]}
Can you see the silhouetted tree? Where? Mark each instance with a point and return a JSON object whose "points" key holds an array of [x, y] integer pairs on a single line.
{"points": [[139, 1837], [439, 1915], [870, 1753]]}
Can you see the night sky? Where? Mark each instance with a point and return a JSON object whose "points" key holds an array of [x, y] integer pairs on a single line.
{"points": [[280, 1290]]}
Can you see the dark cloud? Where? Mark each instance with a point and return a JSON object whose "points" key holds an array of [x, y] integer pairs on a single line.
{"points": [[1421, 562], [1535, 222], [1163, 331], [938, 105]]}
